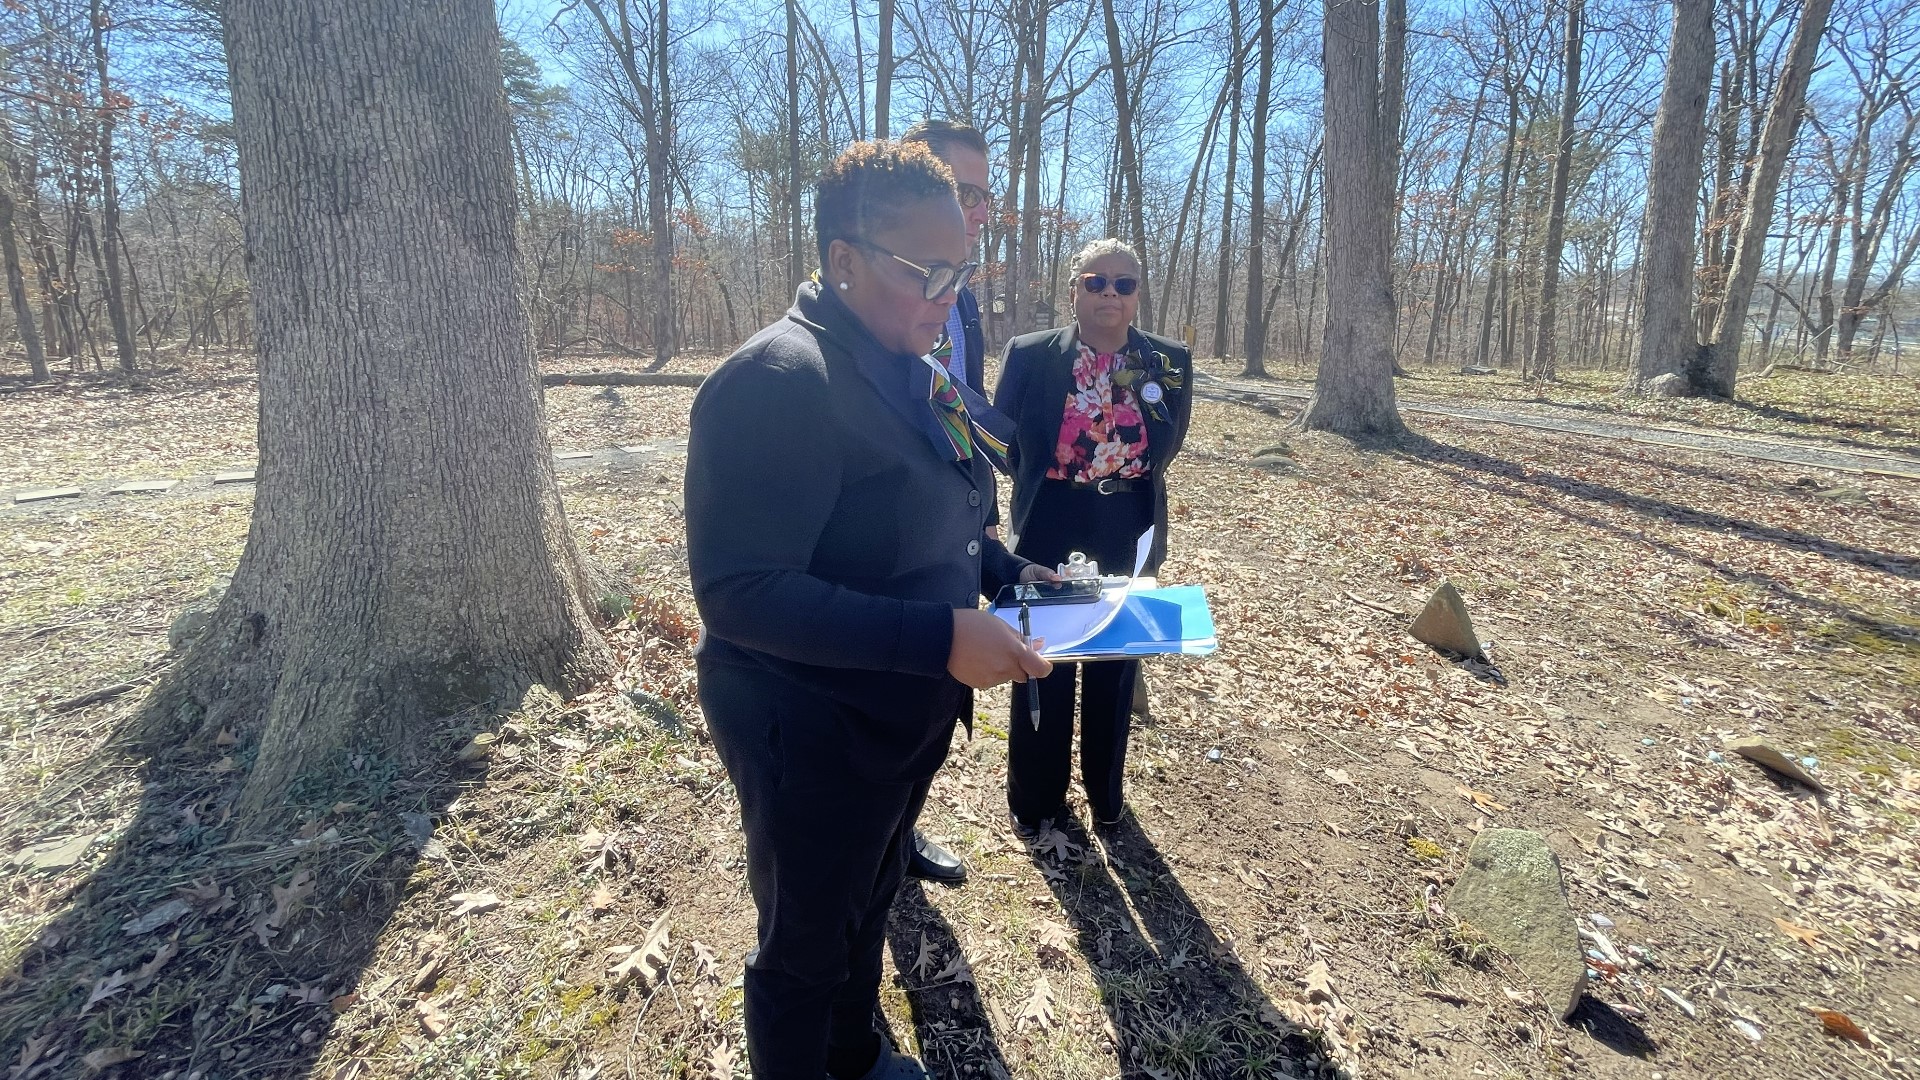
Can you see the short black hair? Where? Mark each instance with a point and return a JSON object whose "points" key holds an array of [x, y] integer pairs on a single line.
{"points": [[870, 187], [942, 135]]}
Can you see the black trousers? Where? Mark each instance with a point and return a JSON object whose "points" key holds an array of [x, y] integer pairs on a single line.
{"points": [[826, 852], [1104, 527]]}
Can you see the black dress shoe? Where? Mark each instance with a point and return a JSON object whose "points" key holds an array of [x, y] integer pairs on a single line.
{"points": [[931, 862]]}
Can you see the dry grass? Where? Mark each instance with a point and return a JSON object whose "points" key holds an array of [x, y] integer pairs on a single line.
{"points": [[1265, 916]]}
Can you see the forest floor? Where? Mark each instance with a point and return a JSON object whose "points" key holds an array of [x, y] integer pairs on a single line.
{"points": [[566, 898]]}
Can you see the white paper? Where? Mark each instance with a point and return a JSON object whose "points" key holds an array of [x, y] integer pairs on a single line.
{"points": [[1064, 626], [1141, 549]]}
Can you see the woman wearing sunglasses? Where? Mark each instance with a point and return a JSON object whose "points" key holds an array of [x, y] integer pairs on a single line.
{"points": [[837, 490], [1100, 409]]}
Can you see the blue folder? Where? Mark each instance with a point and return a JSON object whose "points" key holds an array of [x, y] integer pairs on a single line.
{"points": [[1154, 622]]}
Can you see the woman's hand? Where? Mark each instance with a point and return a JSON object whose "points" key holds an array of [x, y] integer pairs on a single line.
{"points": [[1035, 572], [987, 652]]}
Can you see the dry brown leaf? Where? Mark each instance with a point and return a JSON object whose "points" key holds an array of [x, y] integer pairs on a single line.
{"points": [[1054, 937], [288, 898], [1480, 799], [432, 1020], [705, 960], [1340, 777], [105, 987], [167, 951], [110, 1056], [923, 957], [1038, 1011], [1840, 1025], [225, 738], [720, 1063], [648, 961], [1319, 982], [342, 1002], [472, 903], [957, 970], [601, 901], [1809, 938]]}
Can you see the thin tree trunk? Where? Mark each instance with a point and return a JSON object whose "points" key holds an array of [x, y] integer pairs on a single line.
{"points": [[1497, 263], [883, 74], [17, 285], [1255, 347], [1236, 72], [1543, 349], [1135, 197], [1667, 338], [408, 555], [1718, 364], [794, 263], [110, 199], [1444, 283]]}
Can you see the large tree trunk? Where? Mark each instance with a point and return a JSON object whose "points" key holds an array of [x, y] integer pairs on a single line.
{"points": [[1667, 337], [1543, 348], [1353, 393], [408, 555], [1255, 342], [1718, 364]]}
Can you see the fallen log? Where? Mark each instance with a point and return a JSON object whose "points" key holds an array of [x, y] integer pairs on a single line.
{"points": [[622, 378]]}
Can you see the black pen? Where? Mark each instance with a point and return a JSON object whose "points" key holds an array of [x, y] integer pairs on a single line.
{"points": [[1033, 684]]}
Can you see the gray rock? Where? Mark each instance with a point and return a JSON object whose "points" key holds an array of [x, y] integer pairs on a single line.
{"points": [[136, 487], [44, 494], [1511, 892], [1445, 625], [1669, 385], [1271, 461], [188, 625], [1760, 752], [1475, 369]]}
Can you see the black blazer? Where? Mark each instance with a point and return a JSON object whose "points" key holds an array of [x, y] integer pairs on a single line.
{"points": [[830, 541], [1035, 378], [976, 342]]}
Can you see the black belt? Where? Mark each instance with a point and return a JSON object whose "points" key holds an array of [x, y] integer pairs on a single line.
{"points": [[1107, 486]]}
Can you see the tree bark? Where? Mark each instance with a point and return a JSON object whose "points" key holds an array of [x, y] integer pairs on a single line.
{"points": [[1135, 197], [110, 198], [883, 74], [1353, 393], [1255, 341], [17, 285], [1667, 337], [1236, 73], [1543, 349], [1717, 365], [408, 556]]}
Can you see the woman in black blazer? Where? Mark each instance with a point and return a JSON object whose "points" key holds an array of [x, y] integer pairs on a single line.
{"points": [[837, 492], [1100, 409]]}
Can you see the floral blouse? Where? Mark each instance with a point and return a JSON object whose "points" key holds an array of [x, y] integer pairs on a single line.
{"points": [[1102, 434]]}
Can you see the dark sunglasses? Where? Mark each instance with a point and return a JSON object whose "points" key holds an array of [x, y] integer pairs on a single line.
{"points": [[970, 195], [1097, 283], [937, 280]]}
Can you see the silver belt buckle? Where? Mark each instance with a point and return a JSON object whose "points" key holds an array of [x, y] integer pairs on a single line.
{"points": [[1105, 486]]}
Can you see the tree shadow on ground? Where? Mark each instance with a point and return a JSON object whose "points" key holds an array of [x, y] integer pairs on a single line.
{"points": [[1177, 999], [1804, 488], [952, 1024], [1776, 412], [1423, 448], [195, 947], [1612, 1029]]}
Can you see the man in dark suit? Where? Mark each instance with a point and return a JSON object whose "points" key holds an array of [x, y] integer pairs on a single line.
{"points": [[963, 352]]}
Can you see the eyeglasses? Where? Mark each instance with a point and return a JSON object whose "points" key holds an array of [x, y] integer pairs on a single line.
{"points": [[971, 195], [1097, 283], [937, 280]]}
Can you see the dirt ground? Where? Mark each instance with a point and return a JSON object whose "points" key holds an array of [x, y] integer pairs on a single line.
{"points": [[563, 896]]}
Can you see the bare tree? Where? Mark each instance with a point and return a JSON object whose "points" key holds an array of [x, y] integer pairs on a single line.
{"points": [[1129, 155], [1543, 349], [1255, 347], [1717, 364], [1353, 393], [1667, 337], [408, 556]]}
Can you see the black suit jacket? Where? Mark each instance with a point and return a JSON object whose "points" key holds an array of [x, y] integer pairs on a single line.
{"points": [[830, 540], [1035, 378], [976, 341]]}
